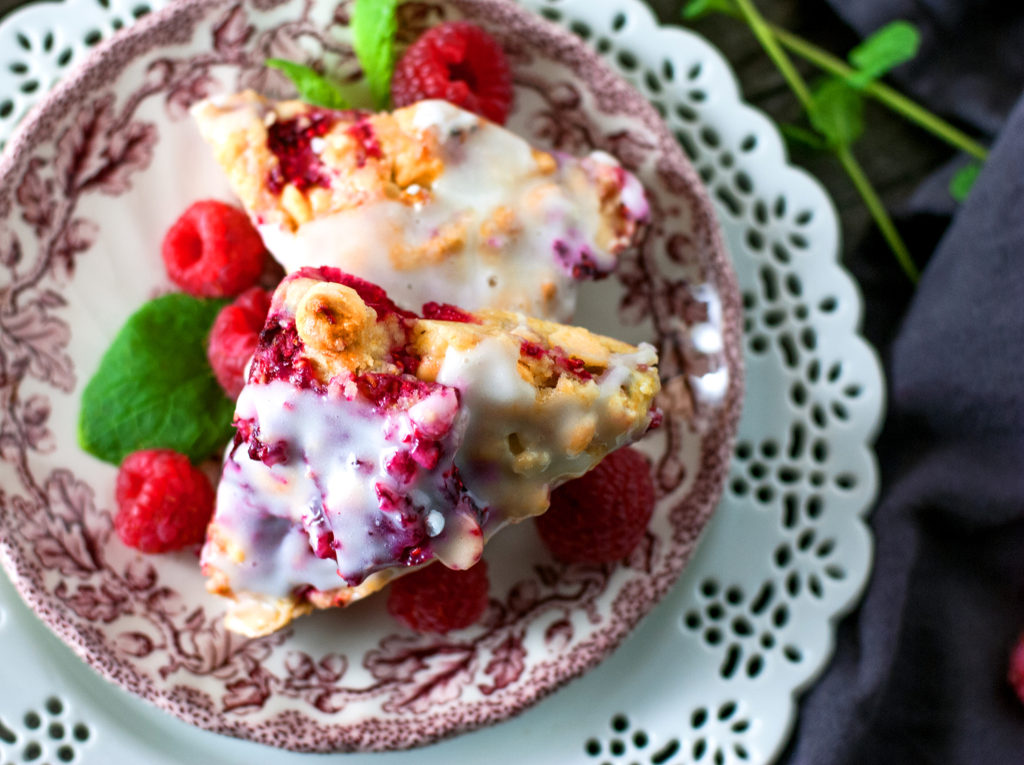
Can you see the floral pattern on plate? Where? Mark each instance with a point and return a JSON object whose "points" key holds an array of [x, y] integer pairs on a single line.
{"points": [[87, 187]]}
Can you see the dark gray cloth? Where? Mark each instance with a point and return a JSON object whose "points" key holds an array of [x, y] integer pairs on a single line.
{"points": [[919, 674]]}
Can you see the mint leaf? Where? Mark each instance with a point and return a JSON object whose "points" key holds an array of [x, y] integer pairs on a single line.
{"points": [[963, 181], [886, 49], [154, 388], [313, 87], [838, 112], [696, 9], [374, 24]]}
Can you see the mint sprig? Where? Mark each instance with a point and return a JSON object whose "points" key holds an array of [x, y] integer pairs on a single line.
{"points": [[374, 25], [154, 388], [834, 107], [313, 87]]}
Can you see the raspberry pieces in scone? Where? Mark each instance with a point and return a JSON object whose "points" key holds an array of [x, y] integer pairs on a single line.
{"points": [[431, 202], [371, 441]]}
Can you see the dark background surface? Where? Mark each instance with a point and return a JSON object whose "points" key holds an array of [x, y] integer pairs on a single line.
{"points": [[919, 673]]}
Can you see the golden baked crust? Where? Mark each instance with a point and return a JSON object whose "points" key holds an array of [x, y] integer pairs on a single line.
{"points": [[237, 128]]}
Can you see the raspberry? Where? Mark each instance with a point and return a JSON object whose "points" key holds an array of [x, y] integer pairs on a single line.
{"points": [[602, 516], [164, 503], [438, 599], [233, 338], [447, 312], [1016, 671], [212, 250], [459, 62]]}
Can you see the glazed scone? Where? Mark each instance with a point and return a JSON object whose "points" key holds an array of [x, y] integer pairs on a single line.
{"points": [[431, 202], [371, 441]]}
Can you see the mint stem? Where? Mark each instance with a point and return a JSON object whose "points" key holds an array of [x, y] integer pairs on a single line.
{"points": [[766, 36], [878, 212], [895, 100], [892, 98]]}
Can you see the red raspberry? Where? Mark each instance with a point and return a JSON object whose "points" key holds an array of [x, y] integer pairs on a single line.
{"points": [[1016, 672], [601, 516], [438, 599], [164, 503], [213, 250], [459, 62], [233, 338]]}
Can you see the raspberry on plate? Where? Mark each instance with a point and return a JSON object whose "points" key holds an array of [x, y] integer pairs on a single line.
{"points": [[213, 250], [1015, 675], [460, 63], [440, 599], [164, 502], [602, 516], [233, 338]]}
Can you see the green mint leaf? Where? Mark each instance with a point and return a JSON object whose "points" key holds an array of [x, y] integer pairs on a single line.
{"points": [[697, 9], [800, 135], [313, 87], [886, 49], [374, 24], [155, 389], [963, 181], [838, 112]]}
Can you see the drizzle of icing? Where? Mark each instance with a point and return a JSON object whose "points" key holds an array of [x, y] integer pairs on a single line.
{"points": [[368, 479], [492, 391]]}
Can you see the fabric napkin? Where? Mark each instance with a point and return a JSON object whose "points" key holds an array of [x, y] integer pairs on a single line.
{"points": [[919, 673]]}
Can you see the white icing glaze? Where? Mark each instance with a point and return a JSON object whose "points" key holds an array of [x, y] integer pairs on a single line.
{"points": [[632, 195], [324, 493], [315, 516], [503, 409], [486, 168]]}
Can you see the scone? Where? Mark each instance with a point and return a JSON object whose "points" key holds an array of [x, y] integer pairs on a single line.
{"points": [[371, 441], [431, 202]]}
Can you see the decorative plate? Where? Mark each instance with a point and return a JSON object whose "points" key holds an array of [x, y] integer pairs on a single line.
{"points": [[89, 183]]}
